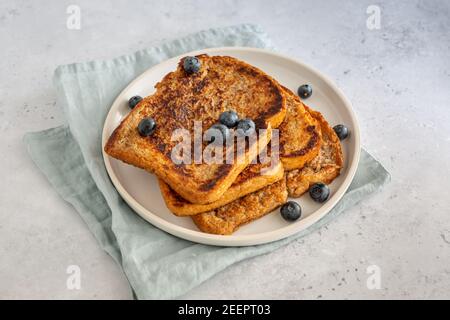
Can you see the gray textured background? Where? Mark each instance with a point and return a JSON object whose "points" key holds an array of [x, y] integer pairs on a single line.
{"points": [[398, 79]]}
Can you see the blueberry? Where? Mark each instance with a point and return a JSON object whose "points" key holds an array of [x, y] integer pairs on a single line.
{"points": [[229, 118], [291, 211], [218, 133], [146, 127], [191, 65], [245, 127], [134, 101], [341, 131], [304, 91], [319, 192]]}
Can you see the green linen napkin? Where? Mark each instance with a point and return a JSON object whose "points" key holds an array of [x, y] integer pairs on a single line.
{"points": [[157, 264]]}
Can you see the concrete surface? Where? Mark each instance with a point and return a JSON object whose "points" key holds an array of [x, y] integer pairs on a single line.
{"points": [[398, 78]]}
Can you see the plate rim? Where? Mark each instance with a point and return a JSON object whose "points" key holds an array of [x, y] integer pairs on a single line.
{"points": [[236, 240]]}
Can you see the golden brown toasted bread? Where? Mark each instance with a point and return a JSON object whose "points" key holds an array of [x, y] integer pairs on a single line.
{"points": [[299, 134], [226, 219], [238, 207], [325, 167], [223, 83], [254, 177], [299, 142]]}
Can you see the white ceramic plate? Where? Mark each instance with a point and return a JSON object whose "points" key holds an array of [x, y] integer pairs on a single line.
{"points": [[140, 189]]}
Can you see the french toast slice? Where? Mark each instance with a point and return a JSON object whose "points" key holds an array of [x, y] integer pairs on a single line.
{"points": [[325, 167], [254, 177], [248, 181], [223, 83], [299, 134], [299, 140], [228, 218]]}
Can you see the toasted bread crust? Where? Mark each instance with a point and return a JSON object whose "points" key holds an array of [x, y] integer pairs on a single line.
{"points": [[247, 182], [299, 134], [264, 170], [223, 83], [227, 219], [325, 167]]}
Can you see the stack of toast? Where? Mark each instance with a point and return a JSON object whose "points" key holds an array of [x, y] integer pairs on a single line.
{"points": [[220, 197]]}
